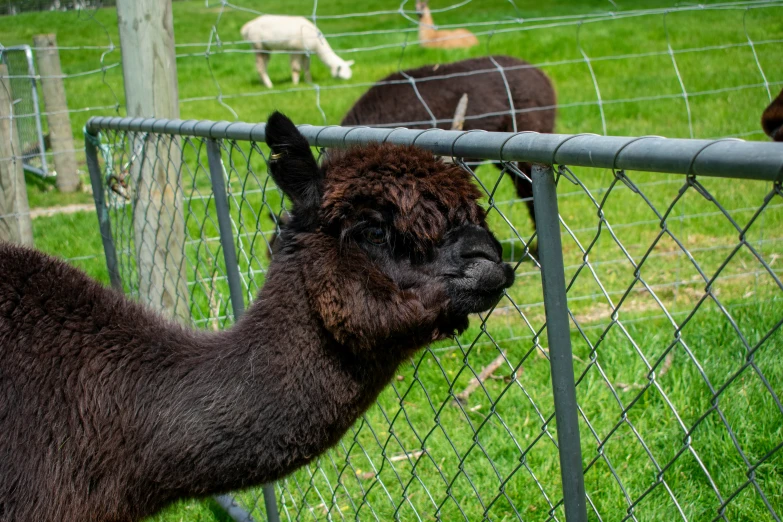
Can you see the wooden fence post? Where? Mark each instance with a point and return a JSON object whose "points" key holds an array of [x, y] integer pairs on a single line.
{"points": [[60, 134], [150, 75], [15, 225]]}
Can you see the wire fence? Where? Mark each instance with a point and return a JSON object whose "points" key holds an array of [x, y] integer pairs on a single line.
{"points": [[671, 259], [585, 61], [88, 70], [14, 7], [665, 67], [582, 59]]}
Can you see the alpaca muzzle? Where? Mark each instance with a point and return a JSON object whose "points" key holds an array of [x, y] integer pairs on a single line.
{"points": [[481, 275]]}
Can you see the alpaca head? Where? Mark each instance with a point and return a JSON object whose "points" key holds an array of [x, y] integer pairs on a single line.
{"points": [[343, 70], [422, 6], [772, 119], [391, 240]]}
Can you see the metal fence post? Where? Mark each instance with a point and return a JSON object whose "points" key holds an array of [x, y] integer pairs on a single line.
{"points": [[104, 223], [558, 333], [224, 226], [237, 299]]}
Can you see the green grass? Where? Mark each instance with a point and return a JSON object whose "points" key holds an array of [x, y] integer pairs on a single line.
{"points": [[473, 447]]}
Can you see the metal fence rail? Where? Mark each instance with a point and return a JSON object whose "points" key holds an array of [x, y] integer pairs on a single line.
{"points": [[655, 393]]}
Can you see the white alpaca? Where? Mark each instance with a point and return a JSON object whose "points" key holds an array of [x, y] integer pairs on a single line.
{"points": [[292, 33]]}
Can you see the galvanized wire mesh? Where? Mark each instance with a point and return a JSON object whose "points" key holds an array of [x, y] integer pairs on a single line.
{"points": [[197, 250], [708, 377], [674, 294]]}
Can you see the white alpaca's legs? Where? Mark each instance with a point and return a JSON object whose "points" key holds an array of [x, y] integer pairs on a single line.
{"points": [[262, 59], [296, 67], [306, 65]]}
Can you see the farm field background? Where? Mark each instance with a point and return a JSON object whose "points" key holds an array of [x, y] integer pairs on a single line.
{"points": [[498, 452]]}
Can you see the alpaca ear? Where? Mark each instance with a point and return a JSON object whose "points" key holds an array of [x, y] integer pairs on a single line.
{"points": [[292, 165], [350, 62]]}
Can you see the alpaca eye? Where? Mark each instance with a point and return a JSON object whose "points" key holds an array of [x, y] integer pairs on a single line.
{"points": [[374, 235]]}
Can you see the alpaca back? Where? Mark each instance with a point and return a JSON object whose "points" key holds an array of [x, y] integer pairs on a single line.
{"points": [[44, 309], [67, 372], [285, 33], [397, 103]]}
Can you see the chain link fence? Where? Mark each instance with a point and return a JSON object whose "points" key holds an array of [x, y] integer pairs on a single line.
{"points": [[653, 395]]}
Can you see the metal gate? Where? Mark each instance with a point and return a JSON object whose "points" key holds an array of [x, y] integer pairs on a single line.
{"points": [[26, 109]]}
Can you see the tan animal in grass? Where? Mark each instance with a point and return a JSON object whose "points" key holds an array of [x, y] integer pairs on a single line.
{"points": [[430, 36]]}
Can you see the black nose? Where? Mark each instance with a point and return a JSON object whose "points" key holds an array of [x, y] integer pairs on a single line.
{"points": [[477, 242]]}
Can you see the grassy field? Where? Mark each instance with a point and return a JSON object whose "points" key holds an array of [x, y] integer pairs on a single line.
{"points": [[709, 418]]}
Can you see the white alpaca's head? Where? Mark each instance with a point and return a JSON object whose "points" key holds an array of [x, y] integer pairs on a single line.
{"points": [[343, 70]]}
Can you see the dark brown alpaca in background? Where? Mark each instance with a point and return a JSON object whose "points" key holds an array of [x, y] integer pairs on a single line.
{"points": [[531, 92], [109, 412], [772, 119]]}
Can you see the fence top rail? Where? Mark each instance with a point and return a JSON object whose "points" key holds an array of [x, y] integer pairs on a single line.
{"points": [[23, 47], [726, 158]]}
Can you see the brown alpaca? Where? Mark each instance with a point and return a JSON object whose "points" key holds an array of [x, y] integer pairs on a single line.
{"points": [[109, 412], [772, 119], [433, 38], [393, 101]]}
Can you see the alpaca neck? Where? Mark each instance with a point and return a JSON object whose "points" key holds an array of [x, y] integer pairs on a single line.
{"points": [[265, 397], [327, 55], [427, 29]]}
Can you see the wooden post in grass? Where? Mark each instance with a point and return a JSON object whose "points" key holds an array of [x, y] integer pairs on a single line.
{"points": [[15, 223], [60, 134], [149, 70]]}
